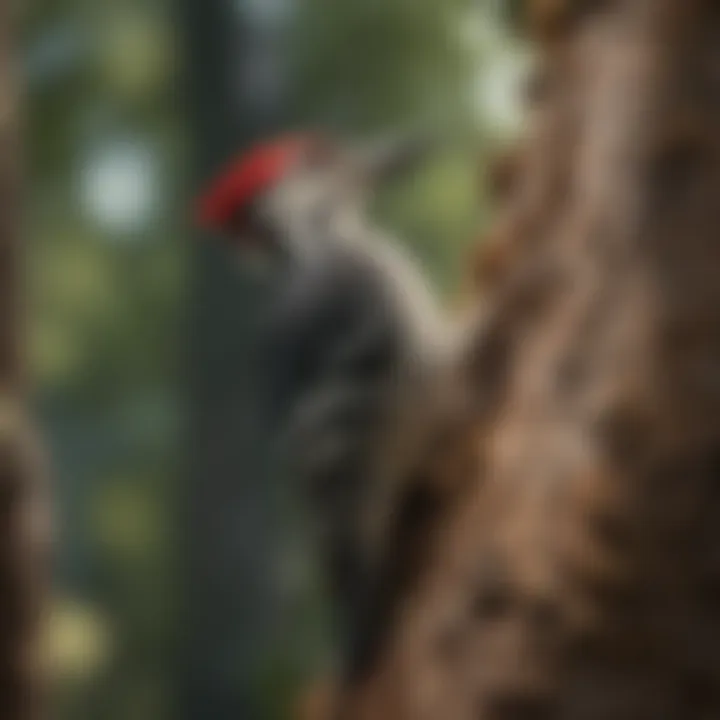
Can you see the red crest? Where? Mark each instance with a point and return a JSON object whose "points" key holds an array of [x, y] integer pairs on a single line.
{"points": [[248, 177]]}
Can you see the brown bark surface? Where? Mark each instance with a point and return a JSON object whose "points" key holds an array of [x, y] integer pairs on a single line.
{"points": [[22, 524], [577, 575]]}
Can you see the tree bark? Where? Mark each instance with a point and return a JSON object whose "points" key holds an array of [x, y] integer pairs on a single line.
{"points": [[22, 521], [577, 575]]}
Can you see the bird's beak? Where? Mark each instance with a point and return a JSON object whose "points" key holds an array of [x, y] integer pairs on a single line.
{"points": [[393, 159]]}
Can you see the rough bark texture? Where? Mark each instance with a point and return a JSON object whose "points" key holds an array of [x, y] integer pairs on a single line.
{"points": [[577, 575], [22, 524]]}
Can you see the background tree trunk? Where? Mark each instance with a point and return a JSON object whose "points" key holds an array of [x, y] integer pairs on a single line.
{"points": [[21, 519], [229, 511]]}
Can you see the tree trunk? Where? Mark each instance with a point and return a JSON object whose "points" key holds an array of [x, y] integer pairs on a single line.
{"points": [[228, 522], [578, 575], [21, 514]]}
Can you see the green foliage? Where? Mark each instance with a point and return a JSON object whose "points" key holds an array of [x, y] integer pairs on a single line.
{"points": [[511, 11], [438, 212], [367, 63], [105, 311]]}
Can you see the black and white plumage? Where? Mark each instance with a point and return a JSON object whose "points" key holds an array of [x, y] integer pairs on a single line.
{"points": [[357, 353], [363, 348]]}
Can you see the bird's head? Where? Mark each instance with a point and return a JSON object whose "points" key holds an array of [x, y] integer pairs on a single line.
{"points": [[288, 196], [287, 206]]}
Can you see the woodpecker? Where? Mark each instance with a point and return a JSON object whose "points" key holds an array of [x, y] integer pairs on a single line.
{"points": [[359, 344]]}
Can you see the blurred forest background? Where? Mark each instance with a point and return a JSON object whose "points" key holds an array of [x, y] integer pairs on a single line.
{"points": [[183, 587]]}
